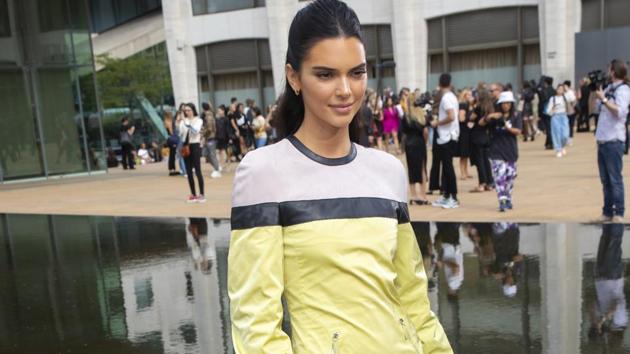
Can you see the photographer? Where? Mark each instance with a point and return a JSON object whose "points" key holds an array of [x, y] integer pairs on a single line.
{"points": [[611, 138]]}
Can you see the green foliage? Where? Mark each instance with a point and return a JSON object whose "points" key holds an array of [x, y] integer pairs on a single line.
{"points": [[123, 79]]}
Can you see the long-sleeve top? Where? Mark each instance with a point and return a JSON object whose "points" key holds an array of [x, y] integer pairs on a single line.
{"points": [[610, 126], [192, 126], [333, 236]]}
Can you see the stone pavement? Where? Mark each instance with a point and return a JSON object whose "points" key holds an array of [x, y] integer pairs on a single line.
{"points": [[547, 189]]}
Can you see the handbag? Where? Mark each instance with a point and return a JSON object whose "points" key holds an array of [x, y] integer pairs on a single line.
{"points": [[185, 152]]}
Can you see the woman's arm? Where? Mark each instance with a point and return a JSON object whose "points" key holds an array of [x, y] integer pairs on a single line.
{"points": [[255, 270]]}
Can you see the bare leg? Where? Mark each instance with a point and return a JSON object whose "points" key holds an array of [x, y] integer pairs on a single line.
{"points": [[396, 145]]}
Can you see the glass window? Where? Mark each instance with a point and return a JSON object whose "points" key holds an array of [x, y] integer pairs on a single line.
{"points": [[80, 32], [201, 7], [19, 150], [53, 15], [103, 17], [91, 119], [5, 23], [125, 10], [61, 121]]}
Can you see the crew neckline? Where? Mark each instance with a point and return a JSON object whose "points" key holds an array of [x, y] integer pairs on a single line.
{"points": [[338, 161]]}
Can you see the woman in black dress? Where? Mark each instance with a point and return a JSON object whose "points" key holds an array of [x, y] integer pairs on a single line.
{"points": [[480, 141], [415, 132], [466, 102]]}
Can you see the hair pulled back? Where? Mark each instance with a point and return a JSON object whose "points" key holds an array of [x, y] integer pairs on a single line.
{"points": [[319, 20]]}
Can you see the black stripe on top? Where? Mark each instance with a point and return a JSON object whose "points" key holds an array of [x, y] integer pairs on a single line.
{"points": [[299, 212]]}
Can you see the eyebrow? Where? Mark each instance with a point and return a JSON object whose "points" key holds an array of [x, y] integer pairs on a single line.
{"points": [[360, 66]]}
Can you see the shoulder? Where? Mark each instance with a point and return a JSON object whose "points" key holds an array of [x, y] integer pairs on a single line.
{"points": [[383, 163]]}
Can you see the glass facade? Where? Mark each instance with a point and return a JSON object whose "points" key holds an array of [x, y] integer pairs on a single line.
{"points": [[107, 14], [52, 124]]}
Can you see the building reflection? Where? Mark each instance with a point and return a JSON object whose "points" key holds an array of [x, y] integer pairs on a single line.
{"points": [[160, 285]]}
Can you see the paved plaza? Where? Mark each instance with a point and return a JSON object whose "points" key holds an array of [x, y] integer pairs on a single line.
{"points": [[547, 189]]}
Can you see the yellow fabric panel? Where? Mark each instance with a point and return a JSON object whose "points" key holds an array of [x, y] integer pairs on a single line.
{"points": [[255, 286], [412, 282]]}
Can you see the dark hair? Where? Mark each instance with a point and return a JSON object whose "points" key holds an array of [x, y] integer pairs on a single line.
{"points": [[233, 99], [257, 111], [192, 106], [206, 106], [620, 69], [124, 119], [445, 80], [527, 84], [568, 83], [319, 20]]}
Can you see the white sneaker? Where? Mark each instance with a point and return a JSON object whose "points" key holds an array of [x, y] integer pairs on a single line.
{"points": [[215, 174], [564, 152], [201, 198], [440, 202], [559, 154], [450, 204]]}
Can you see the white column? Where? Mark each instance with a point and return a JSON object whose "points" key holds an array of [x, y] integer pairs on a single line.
{"points": [[559, 20], [181, 55], [279, 16], [561, 286], [409, 32]]}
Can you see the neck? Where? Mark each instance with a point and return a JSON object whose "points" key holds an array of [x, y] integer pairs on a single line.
{"points": [[617, 81], [323, 139]]}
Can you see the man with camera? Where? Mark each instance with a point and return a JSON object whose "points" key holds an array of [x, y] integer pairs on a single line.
{"points": [[611, 138]]}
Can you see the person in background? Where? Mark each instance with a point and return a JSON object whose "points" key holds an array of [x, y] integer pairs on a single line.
{"points": [[447, 126], [571, 98], [415, 130], [545, 92], [222, 136], [377, 120], [391, 121], [190, 133], [209, 141], [480, 141], [126, 143], [557, 109], [171, 142], [234, 133], [259, 124], [466, 104], [527, 97], [611, 140], [182, 163], [504, 127], [143, 154]]}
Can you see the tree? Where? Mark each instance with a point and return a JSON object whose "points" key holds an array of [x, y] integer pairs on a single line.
{"points": [[122, 80]]}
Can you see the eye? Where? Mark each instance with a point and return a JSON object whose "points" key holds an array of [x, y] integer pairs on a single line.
{"points": [[359, 73], [324, 75]]}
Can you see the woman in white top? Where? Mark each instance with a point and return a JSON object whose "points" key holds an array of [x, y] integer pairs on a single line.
{"points": [[190, 133], [557, 109]]}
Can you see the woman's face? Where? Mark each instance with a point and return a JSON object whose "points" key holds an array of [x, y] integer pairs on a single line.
{"points": [[389, 102], [560, 91], [505, 106], [332, 81], [188, 111]]}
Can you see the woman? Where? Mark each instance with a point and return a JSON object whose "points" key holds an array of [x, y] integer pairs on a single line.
{"points": [[178, 116], [189, 127], [171, 143], [209, 139], [415, 130], [377, 120], [504, 127], [557, 109], [480, 141], [222, 136], [466, 103], [529, 131], [391, 122], [260, 128], [234, 150], [126, 143], [327, 229]]}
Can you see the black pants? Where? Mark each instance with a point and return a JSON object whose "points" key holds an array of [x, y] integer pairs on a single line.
{"points": [[480, 156], [194, 161], [571, 124], [172, 151], [445, 155], [583, 124], [127, 155], [434, 175], [547, 125]]}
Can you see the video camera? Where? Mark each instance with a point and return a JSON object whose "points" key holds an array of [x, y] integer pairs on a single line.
{"points": [[597, 79]]}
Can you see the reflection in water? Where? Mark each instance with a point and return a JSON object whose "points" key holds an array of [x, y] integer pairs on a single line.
{"points": [[104, 285], [609, 315]]}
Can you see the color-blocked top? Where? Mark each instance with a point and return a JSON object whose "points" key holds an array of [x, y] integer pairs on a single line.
{"points": [[295, 185]]}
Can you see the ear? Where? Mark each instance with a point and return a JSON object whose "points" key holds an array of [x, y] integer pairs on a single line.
{"points": [[293, 77]]}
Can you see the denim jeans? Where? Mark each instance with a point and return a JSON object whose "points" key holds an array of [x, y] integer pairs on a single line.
{"points": [[559, 131], [260, 142], [610, 161]]}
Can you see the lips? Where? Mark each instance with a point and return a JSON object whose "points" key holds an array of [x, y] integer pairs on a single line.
{"points": [[342, 108]]}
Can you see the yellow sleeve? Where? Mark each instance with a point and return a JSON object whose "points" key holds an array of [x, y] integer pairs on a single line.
{"points": [[411, 282], [255, 286]]}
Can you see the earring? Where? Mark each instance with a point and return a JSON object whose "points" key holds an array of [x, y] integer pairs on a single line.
{"points": [[297, 92]]}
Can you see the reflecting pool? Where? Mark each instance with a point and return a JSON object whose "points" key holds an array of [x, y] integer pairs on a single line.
{"points": [[71, 284]]}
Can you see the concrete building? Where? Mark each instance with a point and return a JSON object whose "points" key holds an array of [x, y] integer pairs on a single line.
{"points": [[220, 49]]}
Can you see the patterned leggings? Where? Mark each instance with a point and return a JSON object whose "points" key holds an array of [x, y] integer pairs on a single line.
{"points": [[504, 174]]}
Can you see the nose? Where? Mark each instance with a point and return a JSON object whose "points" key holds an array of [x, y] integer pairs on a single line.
{"points": [[343, 88]]}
